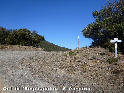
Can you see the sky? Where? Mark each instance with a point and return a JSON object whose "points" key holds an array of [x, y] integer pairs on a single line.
{"points": [[59, 21]]}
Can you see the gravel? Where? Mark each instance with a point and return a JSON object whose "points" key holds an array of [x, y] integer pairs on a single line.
{"points": [[14, 75], [78, 71]]}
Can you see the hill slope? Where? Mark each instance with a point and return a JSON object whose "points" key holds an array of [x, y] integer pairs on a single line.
{"points": [[25, 37], [47, 46], [70, 71]]}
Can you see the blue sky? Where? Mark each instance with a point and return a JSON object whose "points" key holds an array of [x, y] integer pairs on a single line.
{"points": [[59, 21]]}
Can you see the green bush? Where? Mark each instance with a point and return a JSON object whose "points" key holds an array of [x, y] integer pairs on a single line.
{"points": [[112, 60], [71, 53], [3, 35], [22, 37], [47, 46]]}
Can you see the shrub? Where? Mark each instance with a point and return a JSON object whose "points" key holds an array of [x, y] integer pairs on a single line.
{"points": [[71, 53], [25, 37], [47, 46], [112, 60], [3, 35]]}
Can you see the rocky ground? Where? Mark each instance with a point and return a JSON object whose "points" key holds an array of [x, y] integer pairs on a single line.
{"points": [[79, 71], [19, 48]]}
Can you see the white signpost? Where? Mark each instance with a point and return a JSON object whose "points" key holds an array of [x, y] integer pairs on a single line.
{"points": [[78, 42], [115, 41]]}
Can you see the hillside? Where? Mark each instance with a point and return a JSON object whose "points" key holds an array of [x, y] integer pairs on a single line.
{"points": [[25, 37], [47, 46], [94, 69], [44, 46]]}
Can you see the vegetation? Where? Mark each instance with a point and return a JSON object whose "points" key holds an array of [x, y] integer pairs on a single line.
{"points": [[3, 35], [112, 60], [71, 53], [25, 37], [109, 24], [47, 46]]}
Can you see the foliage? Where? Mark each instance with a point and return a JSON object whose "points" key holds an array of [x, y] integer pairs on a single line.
{"points": [[25, 37], [112, 60], [36, 38], [47, 46], [109, 24], [3, 35], [71, 53]]}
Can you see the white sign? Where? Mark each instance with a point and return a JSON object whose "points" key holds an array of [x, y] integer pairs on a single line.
{"points": [[115, 41], [78, 42], [78, 37]]}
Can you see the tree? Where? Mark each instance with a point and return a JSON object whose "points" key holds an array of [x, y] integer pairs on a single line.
{"points": [[19, 37], [36, 38], [109, 23], [3, 35], [24, 37]]}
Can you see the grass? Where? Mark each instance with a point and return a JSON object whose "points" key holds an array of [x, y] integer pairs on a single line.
{"points": [[71, 53], [112, 60]]}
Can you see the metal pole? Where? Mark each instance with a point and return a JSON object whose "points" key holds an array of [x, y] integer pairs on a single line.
{"points": [[115, 49]]}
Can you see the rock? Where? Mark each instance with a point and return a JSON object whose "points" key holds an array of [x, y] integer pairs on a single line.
{"points": [[19, 48], [87, 68]]}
